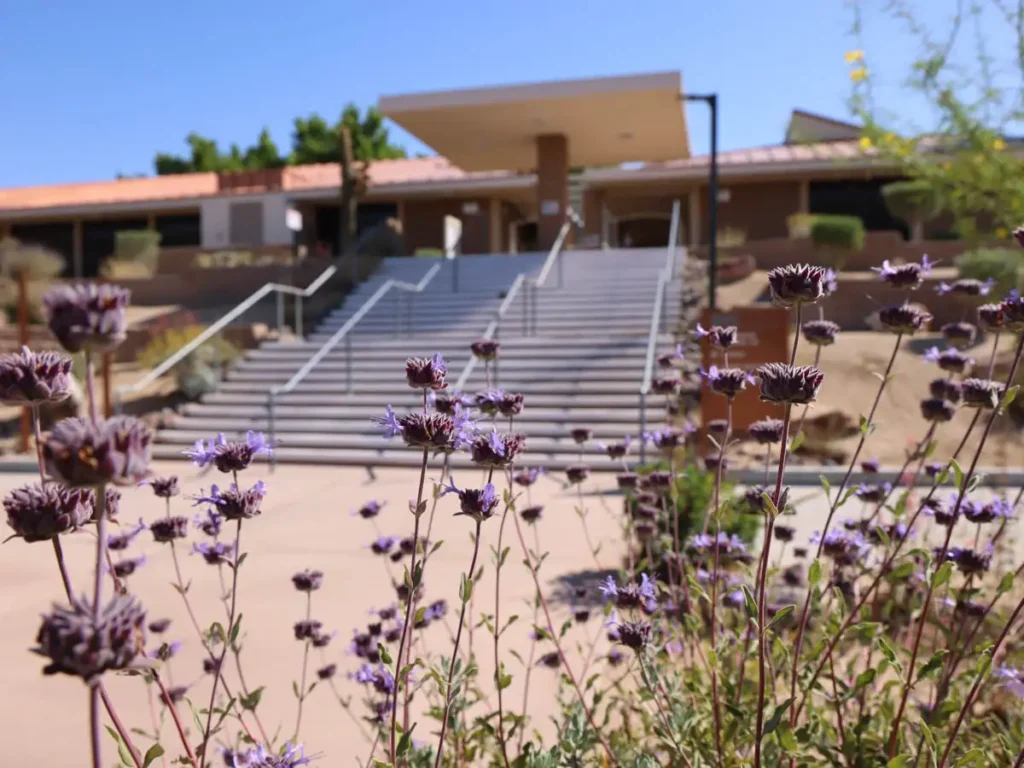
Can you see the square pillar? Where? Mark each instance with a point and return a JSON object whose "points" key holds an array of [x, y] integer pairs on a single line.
{"points": [[593, 217], [805, 196], [552, 187], [695, 197]]}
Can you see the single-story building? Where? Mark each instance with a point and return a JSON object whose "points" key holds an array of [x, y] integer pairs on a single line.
{"points": [[510, 162]]}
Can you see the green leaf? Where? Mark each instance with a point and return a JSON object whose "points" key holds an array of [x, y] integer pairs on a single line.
{"points": [[828, 488], [465, 588], [864, 425], [814, 573], [381, 764], [958, 474], [122, 749], [973, 757], [942, 575], [797, 441], [900, 761], [421, 613], [933, 664], [504, 681], [152, 754], [890, 653], [1005, 584], [749, 602], [235, 629], [902, 572], [1008, 398], [384, 655], [770, 505], [781, 614], [251, 701], [406, 741], [417, 574], [786, 737], [776, 718], [865, 678]]}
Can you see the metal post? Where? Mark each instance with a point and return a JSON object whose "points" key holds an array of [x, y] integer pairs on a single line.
{"points": [[713, 196], [643, 427], [533, 309], [348, 363], [559, 259], [272, 427], [398, 313], [526, 307], [455, 274], [280, 313], [412, 313], [218, 366], [298, 317]]}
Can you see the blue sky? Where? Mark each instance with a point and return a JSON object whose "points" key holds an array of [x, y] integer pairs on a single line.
{"points": [[93, 89]]}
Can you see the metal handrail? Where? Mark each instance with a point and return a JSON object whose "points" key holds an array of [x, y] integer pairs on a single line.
{"points": [[339, 335], [665, 277], [217, 327], [523, 278]]}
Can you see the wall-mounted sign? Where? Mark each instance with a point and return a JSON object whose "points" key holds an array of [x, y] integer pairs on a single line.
{"points": [[724, 195], [452, 235], [550, 208], [293, 220], [471, 208]]}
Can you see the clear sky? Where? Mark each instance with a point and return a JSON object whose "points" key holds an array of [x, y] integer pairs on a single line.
{"points": [[90, 89]]}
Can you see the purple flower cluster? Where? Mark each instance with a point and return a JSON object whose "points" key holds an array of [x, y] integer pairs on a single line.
{"points": [[233, 456]]}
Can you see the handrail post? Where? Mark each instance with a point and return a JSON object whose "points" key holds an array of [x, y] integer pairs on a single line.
{"points": [[348, 363], [643, 428], [533, 307], [280, 313], [398, 313], [455, 274], [526, 310], [298, 316], [272, 426]]}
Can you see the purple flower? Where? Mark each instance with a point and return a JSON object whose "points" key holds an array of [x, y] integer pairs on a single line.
{"points": [[635, 634], [259, 756], [445, 402], [667, 438], [666, 385], [307, 629], [308, 581], [869, 466], [935, 508], [830, 283], [214, 552], [165, 651], [477, 503], [437, 432], [119, 542], [966, 286], [615, 657], [33, 378], [527, 477], [580, 435], [496, 450], [369, 510], [39, 513], [1013, 312], [981, 393], [960, 335], [167, 529], [951, 360], [630, 595], [426, 372], [946, 389], [485, 349], [726, 381], [489, 401], [616, 450], [210, 524], [671, 359], [159, 626], [627, 480], [127, 566], [937, 410], [230, 456], [792, 384], [87, 317], [845, 547], [383, 544], [77, 644], [576, 474], [1011, 678], [904, 318], [873, 494], [163, 487], [906, 276], [83, 454], [991, 317], [511, 404], [717, 335], [378, 677], [968, 560], [234, 504], [531, 514], [730, 547], [796, 284], [766, 431], [821, 333], [997, 509]]}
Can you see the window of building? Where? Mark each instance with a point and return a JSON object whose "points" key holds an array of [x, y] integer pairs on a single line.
{"points": [[179, 230], [98, 240], [56, 236], [861, 198]]}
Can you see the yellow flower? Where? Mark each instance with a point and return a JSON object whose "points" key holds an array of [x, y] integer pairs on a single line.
{"points": [[859, 74], [998, 145], [1001, 233], [854, 55], [890, 138], [865, 142]]}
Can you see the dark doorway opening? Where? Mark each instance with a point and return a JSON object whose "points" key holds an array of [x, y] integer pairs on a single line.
{"points": [[861, 198], [58, 237], [98, 238], [368, 215]]}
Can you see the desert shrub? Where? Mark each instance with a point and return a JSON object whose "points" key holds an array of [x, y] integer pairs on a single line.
{"points": [[731, 237], [168, 341], [115, 269], [914, 202], [37, 262], [232, 259], [799, 225], [140, 247], [1003, 265], [429, 253], [841, 233]]}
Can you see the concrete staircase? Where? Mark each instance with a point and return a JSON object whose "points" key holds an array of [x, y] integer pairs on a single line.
{"points": [[582, 367]]}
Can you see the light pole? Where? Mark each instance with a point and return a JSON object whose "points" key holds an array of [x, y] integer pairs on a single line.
{"points": [[712, 101]]}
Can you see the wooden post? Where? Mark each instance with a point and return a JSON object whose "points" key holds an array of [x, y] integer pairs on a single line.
{"points": [[26, 414]]}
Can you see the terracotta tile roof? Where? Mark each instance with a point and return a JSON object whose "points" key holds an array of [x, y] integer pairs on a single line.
{"points": [[183, 186], [781, 155]]}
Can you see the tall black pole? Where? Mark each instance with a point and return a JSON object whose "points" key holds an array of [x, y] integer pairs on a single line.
{"points": [[713, 202]]}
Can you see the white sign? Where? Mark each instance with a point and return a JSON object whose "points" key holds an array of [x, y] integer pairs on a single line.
{"points": [[724, 195], [293, 220], [470, 208], [550, 207], [452, 235]]}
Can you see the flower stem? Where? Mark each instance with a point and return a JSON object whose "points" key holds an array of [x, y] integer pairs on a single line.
{"points": [[497, 622], [408, 607], [714, 579], [765, 550], [807, 407], [558, 646], [97, 596], [227, 642], [455, 649], [305, 666], [804, 613], [962, 493], [533, 642], [655, 694], [166, 698]]}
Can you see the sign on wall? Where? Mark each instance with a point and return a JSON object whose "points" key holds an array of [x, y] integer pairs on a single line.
{"points": [[452, 235], [763, 337]]}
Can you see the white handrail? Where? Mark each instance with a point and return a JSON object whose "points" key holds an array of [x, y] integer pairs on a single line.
{"points": [[665, 277], [336, 337], [216, 328]]}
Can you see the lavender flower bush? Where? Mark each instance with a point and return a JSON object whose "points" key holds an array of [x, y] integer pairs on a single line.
{"points": [[886, 650]]}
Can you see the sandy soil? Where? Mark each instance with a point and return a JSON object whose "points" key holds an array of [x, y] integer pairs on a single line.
{"points": [[306, 524]]}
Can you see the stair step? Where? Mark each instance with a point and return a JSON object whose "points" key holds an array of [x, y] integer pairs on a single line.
{"points": [[397, 388], [373, 400]]}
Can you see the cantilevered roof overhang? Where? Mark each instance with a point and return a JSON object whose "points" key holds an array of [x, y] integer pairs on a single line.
{"points": [[607, 121]]}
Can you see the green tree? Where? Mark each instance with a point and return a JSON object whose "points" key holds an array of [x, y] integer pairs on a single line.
{"points": [[314, 140], [962, 157]]}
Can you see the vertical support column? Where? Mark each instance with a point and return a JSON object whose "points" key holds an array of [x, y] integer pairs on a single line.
{"points": [[805, 196], [77, 249], [494, 232], [552, 187], [694, 198]]}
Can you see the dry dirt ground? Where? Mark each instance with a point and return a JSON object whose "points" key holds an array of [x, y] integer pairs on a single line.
{"points": [[306, 523]]}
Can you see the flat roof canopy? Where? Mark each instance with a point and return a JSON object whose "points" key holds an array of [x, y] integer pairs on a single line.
{"points": [[607, 121]]}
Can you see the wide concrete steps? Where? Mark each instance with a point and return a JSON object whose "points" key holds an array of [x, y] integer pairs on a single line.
{"points": [[574, 401]]}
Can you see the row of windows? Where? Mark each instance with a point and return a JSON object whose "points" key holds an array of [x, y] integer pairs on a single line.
{"points": [[176, 230]]}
